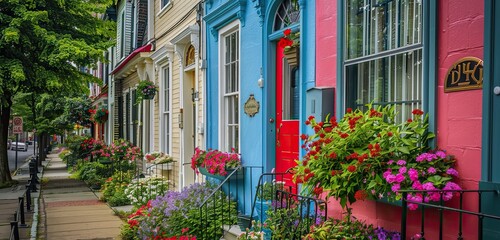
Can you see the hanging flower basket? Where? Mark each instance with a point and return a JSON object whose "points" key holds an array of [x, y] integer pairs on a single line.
{"points": [[146, 90], [237, 175], [290, 42], [100, 115]]}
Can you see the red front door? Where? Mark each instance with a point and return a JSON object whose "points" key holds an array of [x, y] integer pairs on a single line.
{"points": [[287, 115]]}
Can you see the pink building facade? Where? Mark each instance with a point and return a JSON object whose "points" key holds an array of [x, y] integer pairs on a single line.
{"points": [[452, 30]]}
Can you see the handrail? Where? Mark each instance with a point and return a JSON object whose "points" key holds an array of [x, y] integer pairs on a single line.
{"points": [[220, 185]]}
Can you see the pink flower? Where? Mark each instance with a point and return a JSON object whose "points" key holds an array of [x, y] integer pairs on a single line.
{"points": [[402, 170], [400, 178], [417, 185], [386, 173], [390, 178], [395, 187], [401, 162], [441, 154], [452, 171], [431, 170], [428, 186], [413, 174]]}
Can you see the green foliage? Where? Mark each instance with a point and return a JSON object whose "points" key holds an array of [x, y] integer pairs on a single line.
{"points": [[347, 158], [79, 111], [93, 173], [267, 190], [286, 223], [128, 233], [113, 190], [145, 90]]}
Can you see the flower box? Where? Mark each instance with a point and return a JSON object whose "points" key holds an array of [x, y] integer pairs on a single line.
{"points": [[293, 56], [164, 166], [237, 175]]}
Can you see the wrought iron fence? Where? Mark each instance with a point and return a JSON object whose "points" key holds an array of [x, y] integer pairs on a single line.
{"points": [[441, 208], [19, 215]]}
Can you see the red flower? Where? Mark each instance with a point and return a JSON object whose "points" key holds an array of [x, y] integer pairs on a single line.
{"points": [[307, 122], [307, 170], [333, 155], [334, 172], [351, 168], [310, 118], [303, 137], [389, 134], [360, 195], [349, 110], [409, 120], [318, 190], [285, 42], [417, 112], [287, 32]]}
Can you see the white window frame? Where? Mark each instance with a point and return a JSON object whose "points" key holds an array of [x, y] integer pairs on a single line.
{"points": [[165, 8], [223, 135], [166, 130]]}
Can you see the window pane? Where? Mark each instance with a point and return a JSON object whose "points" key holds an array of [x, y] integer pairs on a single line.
{"points": [[392, 80], [374, 26], [230, 80], [166, 84]]}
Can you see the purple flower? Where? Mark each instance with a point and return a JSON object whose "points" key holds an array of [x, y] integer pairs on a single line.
{"points": [[431, 170], [402, 170], [401, 162], [452, 171], [413, 174]]}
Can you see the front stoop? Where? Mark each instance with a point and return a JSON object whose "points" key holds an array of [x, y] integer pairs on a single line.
{"points": [[231, 232]]}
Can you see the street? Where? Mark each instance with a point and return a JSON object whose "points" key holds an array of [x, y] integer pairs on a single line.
{"points": [[21, 157]]}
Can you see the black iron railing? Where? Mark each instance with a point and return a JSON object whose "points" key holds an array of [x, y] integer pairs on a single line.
{"points": [[275, 180], [19, 215], [227, 204], [308, 211], [441, 208]]}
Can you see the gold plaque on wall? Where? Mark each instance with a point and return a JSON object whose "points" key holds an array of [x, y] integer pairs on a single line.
{"points": [[251, 106], [465, 74]]}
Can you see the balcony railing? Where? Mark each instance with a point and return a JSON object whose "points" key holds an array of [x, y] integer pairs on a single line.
{"points": [[441, 208]]}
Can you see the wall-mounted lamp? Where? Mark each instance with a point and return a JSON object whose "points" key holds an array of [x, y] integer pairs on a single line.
{"points": [[260, 82]]}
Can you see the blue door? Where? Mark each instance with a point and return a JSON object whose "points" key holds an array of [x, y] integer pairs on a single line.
{"points": [[490, 176]]}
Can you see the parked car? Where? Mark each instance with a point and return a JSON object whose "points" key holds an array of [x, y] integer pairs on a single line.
{"points": [[20, 146]]}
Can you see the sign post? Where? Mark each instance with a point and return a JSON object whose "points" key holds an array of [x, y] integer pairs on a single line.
{"points": [[17, 129]]}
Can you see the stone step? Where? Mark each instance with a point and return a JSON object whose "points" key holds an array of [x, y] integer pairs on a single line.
{"points": [[231, 232]]}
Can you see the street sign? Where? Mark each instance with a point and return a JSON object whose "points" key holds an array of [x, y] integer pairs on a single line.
{"points": [[17, 127]]}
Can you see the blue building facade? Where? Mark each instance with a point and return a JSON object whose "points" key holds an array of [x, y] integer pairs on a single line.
{"points": [[245, 65]]}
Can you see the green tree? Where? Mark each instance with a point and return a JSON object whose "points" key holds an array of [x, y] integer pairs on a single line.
{"points": [[43, 44]]}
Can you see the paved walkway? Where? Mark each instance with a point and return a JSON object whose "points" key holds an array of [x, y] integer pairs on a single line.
{"points": [[9, 204], [71, 210]]}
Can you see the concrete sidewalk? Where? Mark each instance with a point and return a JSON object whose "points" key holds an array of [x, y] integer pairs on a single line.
{"points": [[71, 210]]}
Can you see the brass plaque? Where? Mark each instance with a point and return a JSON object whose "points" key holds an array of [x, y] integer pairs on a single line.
{"points": [[465, 74], [251, 106]]}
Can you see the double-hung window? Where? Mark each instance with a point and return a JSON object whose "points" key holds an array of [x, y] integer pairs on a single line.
{"points": [[164, 3], [166, 111], [230, 88], [383, 54]]}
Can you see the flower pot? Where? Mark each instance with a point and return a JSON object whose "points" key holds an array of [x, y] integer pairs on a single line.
{"points": [[261, 208], [238, 175], [148, 97], [293, 56]]}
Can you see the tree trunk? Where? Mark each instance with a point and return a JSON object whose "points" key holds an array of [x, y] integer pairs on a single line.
{"points": [[4, 132], [41, 147]]}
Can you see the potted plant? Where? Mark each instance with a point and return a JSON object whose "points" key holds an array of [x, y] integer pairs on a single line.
{"points": [[266, 192], [146, 90], [214, 163], [290, 43], [101, 115]]}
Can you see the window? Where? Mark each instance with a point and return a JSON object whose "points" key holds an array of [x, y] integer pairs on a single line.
{"points": [[190, 56], [164, 3], [166, 111], [229, 115], [383, 54]]}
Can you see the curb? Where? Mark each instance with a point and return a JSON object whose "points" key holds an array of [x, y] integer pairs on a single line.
{"points": [[34, 224]]}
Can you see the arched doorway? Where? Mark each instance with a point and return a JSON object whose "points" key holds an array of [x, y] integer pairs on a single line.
{"points": [[287, 18]]}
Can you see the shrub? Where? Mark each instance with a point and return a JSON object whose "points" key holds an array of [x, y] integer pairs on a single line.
{"points": [[177, 214], [113, 190], [141, 190]]}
